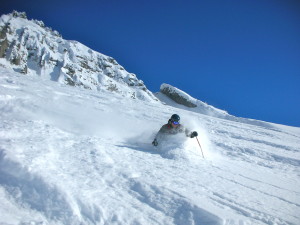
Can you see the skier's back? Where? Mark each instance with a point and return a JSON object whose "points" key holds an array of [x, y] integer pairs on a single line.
{"points": [[173, 127]]}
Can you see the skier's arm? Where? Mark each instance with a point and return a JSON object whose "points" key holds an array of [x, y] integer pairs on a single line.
{"points": [[161, 131]]}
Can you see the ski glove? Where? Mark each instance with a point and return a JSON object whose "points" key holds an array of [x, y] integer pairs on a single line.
{"points": [[155, 143], [194, 134]]}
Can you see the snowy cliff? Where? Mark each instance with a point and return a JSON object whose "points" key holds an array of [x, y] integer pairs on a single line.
{"points": [[29, 47]]}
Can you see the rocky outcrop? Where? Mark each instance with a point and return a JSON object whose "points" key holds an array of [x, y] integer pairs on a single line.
{"points": [[30, 47], [177, 95], [177, 98]]}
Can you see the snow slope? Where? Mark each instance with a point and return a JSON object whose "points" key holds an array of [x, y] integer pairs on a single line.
{"points": [[76, 156]]}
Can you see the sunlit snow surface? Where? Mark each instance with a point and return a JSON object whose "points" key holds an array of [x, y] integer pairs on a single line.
{"points": [[75, 156]]}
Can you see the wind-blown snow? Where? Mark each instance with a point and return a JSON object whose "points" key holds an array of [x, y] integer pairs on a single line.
{"points": [[76, 156]]}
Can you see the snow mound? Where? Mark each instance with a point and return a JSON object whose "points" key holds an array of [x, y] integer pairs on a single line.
{"points": [[35, 194]]}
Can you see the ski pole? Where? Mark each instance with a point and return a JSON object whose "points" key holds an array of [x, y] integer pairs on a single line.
{"points": [[200, 147]]}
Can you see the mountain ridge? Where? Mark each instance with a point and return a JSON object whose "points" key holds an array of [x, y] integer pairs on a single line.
{"points": [[31, 48]]}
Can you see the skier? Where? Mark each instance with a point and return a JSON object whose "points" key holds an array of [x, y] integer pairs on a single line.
{"points": [[171, 128]]}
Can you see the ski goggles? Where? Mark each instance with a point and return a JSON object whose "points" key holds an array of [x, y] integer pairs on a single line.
{"points": [[175, 122]]}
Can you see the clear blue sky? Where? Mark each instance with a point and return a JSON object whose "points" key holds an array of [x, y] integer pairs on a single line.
{"points": [[242, 56]]}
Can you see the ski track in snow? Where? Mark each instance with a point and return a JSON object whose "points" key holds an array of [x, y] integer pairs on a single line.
{"points": [[74, 156]]}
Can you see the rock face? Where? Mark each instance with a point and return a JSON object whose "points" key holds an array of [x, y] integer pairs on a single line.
{"points": [[177, 98], [29, 47], [177, 95]]}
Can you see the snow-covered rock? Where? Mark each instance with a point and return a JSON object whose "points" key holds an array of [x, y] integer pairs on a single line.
{"points": [[182, 98], [179, 99], [178, 96], [29, 47]]}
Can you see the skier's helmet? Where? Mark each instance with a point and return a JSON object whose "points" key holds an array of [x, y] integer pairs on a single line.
{"points": [[175, 118]]}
